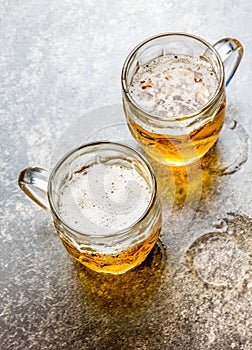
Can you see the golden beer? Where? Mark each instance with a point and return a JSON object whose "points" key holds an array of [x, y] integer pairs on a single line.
{"points": [[174, 88], [110, 208]]}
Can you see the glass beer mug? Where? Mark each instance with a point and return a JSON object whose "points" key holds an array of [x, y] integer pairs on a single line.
{"points": [[173, 91], [104, 202]]}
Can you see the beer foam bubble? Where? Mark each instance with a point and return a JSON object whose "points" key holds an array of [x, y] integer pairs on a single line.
{"points": [[104, 198], [174, 85]]}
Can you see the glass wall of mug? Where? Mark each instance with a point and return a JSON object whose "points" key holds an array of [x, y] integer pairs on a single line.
{"points": [[174, 97]]}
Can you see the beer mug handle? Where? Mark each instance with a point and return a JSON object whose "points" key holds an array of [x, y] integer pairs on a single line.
{"points": [[33, 182], [231, 52]]}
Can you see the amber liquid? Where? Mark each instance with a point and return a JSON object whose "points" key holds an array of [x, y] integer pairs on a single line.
{"points": [[118, 263], [181, 149]]}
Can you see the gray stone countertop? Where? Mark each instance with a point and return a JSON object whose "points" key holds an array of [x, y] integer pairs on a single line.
{"points": [[58, 61]]}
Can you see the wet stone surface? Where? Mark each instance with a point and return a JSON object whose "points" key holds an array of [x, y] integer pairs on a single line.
{"points": [[60, 64], [223, 259]]}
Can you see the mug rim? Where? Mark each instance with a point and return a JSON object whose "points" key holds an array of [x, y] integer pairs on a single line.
{"points": [[119, 232], [152, 116]]}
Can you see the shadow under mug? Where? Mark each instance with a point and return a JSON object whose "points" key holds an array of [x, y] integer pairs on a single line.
{"points": [[182, 139], [104, 202]]}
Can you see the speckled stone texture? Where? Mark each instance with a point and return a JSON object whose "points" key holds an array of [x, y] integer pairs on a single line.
{"points": [[59, 60]]}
